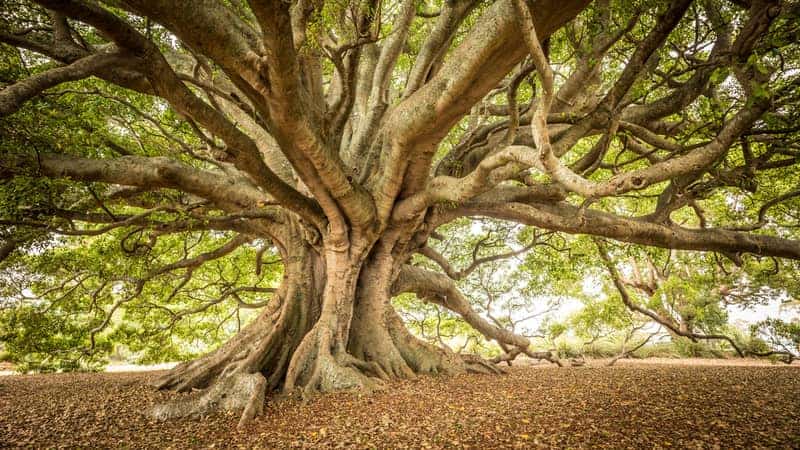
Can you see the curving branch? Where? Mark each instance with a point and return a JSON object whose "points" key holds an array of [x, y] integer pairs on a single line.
{"points": [[441, 290], [668, 323], [12, 97], [193, 263], [762, 212], [145, 172], [454, 274]]}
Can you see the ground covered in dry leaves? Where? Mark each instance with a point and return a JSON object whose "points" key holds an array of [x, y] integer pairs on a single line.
{"points": [[626, 406]]}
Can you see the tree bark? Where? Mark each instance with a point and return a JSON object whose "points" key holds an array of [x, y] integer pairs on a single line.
{"points": [[378, 334], [237, 375]]}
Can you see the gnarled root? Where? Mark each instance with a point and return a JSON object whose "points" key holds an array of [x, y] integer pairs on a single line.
{"points": [[202, 372], [230, 380], [238, 391], [371, 342], [426, 358], [315, 368], [197, 374], [549, 356], [238, 374]]}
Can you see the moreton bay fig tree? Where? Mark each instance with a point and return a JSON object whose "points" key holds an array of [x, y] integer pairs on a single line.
{"points": [[323, 143]]}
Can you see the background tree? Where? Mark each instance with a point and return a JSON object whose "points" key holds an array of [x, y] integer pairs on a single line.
{"points": [[340, 137]]}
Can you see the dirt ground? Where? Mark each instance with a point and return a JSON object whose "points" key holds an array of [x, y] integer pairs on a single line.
{"points": [[631, 405]]}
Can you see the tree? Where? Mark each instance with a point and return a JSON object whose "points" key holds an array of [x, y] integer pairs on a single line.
{"points": [[343, 134]]}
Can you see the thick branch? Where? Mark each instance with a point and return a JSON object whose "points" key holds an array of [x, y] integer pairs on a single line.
{"points": [[169, 86], [571, 219], [440, 289], [489, 52], [12, 97], [146, 172]]}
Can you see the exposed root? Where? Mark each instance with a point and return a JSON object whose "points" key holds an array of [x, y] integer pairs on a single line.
{"points": [[424, 358], [197, 374], [576, 362], [551, 357], [202, 372], [180, 378], [397, 367], [232, 357], [370, 368], [237, 392], [375, 347], [510, 355], [237, 375], [343, 373], [314, 368]]}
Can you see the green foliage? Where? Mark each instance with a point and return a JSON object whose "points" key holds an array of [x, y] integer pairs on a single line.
{"points": [[775, 334], [50, 327], [600, 315], [36, 340], [56, 289]]}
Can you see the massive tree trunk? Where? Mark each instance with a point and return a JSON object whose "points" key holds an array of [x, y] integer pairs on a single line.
{"points": [[298, 342], [330, 326], [378, 335], [257, 359]]}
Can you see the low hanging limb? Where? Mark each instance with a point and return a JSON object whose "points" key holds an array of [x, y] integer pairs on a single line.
{"points": [[669, 324], [441, 290]]}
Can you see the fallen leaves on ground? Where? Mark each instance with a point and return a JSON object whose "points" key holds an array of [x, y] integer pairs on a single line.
{"points": [[630, 406]]}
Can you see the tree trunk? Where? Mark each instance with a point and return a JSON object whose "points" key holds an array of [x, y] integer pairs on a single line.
{"points": [[330, 327], [378, 334], [237, 375], [321, 362]]}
